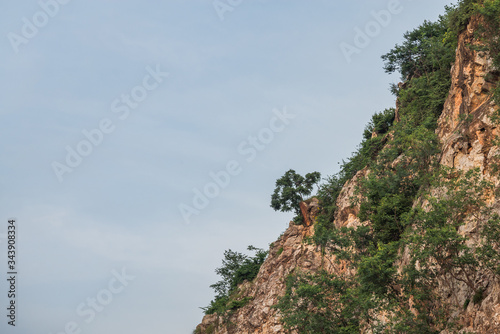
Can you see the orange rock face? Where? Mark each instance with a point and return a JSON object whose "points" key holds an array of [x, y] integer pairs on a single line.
{"points": [[309, 211], [464, 128]]}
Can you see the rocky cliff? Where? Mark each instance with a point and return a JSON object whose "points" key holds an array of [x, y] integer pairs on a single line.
{"points": [[286, 254], [464, 145], [468, 145]]}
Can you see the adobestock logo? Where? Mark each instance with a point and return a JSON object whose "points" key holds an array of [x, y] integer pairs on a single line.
{"points": [[92, 306], [363, 36], [31, 27], [224, 6], [248, 149], [122, 106]]}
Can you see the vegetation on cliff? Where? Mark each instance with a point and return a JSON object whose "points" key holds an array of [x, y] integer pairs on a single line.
{"points": [[413, 208], [236, 268], [291, 189]]}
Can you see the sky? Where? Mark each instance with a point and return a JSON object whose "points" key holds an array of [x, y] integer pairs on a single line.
{"points": [[141, 139]]}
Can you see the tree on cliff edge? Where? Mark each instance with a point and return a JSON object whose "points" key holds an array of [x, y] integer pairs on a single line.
{"points": [[291, 189]]}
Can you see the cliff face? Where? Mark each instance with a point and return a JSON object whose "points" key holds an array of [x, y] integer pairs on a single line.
{"points": [[288, 253], [465, 145], [468, 144]]}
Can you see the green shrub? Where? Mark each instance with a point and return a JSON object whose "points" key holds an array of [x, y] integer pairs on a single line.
{"points": [[459, 16], [320, 303], [367, 152], [236, 268], [423, 51], [211, 329], [236, 304], [249, 268], [466, 303], [490, 10], [379, 124], [478, 296], [376, 273]]}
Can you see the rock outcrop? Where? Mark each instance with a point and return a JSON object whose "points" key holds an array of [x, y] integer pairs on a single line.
{"points": [[466, 134], [465, 129], [309, 209], [285, 255]]}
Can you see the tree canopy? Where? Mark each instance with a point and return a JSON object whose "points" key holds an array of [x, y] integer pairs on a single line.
{"points": [[291, 189]]}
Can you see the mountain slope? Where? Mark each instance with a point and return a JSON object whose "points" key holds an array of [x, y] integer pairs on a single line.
{"points": [[432, 285]]}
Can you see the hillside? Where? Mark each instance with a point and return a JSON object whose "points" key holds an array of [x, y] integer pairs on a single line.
{"points": [[406, 238]]}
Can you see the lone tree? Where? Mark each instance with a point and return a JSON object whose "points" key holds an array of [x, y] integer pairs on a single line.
{"points": [[291, 189]]}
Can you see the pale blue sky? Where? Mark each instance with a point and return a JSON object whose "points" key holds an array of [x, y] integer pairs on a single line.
{"points": [[119, 207]]}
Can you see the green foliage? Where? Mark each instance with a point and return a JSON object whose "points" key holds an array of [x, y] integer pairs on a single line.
{"points": [[423, 99], [466, 303], [320, 303], [389, 194], [376, 273], [489, 251], [391, 188], [459, 16], [434, 238], [379, 124], [489, 37], [230, 265], [367, 152], [211, 329], [291, 189], [236, 268], [328, 193], [490, 10], [424, 60], [249, 269], [478, 296], [298, 219], [435, 246], [236, 304], [218, 305], [423, 51]]}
